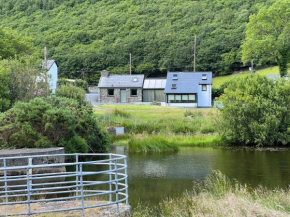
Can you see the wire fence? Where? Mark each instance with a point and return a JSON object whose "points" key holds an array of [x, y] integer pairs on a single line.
{"points": [[90, 180]]}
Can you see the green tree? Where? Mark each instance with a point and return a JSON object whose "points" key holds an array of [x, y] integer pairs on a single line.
{"points": [[268, 36], [256, 112]]}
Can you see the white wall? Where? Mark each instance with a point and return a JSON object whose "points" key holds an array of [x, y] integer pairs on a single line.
{"points": [[204, 97], [53, 77], [183, 105]]}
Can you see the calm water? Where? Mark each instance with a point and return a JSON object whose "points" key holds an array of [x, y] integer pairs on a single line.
{"points": [[153, 177]]}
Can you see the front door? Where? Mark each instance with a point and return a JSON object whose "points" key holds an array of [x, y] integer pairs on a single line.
{"points": [[123, 96]]}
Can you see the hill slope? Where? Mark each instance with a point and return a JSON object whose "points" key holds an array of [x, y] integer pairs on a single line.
{"points": [[91, 35]]}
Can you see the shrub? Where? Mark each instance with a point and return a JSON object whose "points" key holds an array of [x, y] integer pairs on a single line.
{"points": [[72, 92], [52, 122], [77, 83], [256, 112]]}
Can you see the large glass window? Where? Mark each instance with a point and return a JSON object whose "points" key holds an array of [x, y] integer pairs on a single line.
{"points": [[182, 98], [110, 92], [153, 95], [171, 98]]}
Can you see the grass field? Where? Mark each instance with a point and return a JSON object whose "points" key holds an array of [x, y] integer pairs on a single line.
{"points": [[219, 196], [156, 128], [218, 81]]}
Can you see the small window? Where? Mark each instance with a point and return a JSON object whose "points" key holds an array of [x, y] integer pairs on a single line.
{"points": [[133, 92], [135, 79], [191, 98], [175, 77], [173, 86], [184, 98], [110, 92], [204, 87], [204, 77], [177, 98]]}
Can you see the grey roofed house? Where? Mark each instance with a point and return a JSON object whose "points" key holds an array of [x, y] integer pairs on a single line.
{"points": [[186, 82], [121, 81]]}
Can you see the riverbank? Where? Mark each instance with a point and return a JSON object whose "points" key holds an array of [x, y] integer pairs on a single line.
{"points": [[220, 196], [168, 127]]}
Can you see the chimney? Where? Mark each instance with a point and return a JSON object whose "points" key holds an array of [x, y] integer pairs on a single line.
{"points": [[104, 73]]}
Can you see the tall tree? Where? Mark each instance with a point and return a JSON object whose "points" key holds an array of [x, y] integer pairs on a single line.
{"points": [[268, 36]]}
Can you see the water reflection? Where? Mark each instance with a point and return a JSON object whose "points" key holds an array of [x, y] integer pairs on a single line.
{"points": [[153, 177]]}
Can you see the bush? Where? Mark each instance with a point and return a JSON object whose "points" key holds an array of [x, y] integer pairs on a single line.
{"points": [[77, 83], [52, 122], [256, 112], [72, 92]]}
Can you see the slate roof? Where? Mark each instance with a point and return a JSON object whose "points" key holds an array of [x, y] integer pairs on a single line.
{"points": [[187, 82], [154, 83], [121, 81], [49, 63]]}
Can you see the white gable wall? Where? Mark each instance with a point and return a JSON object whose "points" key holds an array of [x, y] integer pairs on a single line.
{"points": [[204, 97], [53, 77]]}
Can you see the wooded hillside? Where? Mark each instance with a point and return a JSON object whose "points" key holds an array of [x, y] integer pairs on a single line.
{"points": [[86, 36]]}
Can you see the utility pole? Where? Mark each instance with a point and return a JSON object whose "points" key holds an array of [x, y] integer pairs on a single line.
{"points": [[194, 56], [130, 64], [45, 58]]}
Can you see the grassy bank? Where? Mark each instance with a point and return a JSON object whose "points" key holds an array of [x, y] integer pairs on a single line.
{"points": [[156, 129], [219, 196], [218, 81]]}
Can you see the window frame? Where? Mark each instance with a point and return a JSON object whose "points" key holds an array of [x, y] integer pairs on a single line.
{"points": [[131, 95], [204, 77], [173, 86], [112, 94], [202, 87], [182, 101], [175, 77]]}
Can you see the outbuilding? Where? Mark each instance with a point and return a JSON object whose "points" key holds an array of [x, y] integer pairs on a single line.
{"points": [[189, 89]]}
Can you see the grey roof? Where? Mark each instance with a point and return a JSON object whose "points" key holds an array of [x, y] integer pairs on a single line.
{"points": [[187, 82], [154, 83], [49, 63], [121, 81]]}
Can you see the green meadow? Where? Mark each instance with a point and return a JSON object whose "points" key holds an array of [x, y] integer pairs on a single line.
{"points": [[151, 128]]}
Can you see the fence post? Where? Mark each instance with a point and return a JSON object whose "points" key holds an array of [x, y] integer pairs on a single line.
{"points": [[126, 180], [82, 189], [77, 175], [110, 178], [5, 178], [28, 191], [117, 186]]}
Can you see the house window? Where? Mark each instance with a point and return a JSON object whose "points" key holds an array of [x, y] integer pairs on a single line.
{"points": [[191, 98], [135, 79], [175, 77], [171, 98], [173, 86], [204, 87], [133, 92], [110, 92], [184, 98], [204, 77]]}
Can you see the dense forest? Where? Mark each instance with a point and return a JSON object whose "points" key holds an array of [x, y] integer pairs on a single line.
{"points": [[86, 36]]}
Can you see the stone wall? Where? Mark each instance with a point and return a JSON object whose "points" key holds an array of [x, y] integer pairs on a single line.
{"points": [[104, 98]]}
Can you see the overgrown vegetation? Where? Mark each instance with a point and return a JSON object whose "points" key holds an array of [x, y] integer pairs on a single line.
{"points": [[155, 144], [77, 82], [52, 122], [165, 125], [70, 91], [256, 112], [87, 36], [219, 196]]}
